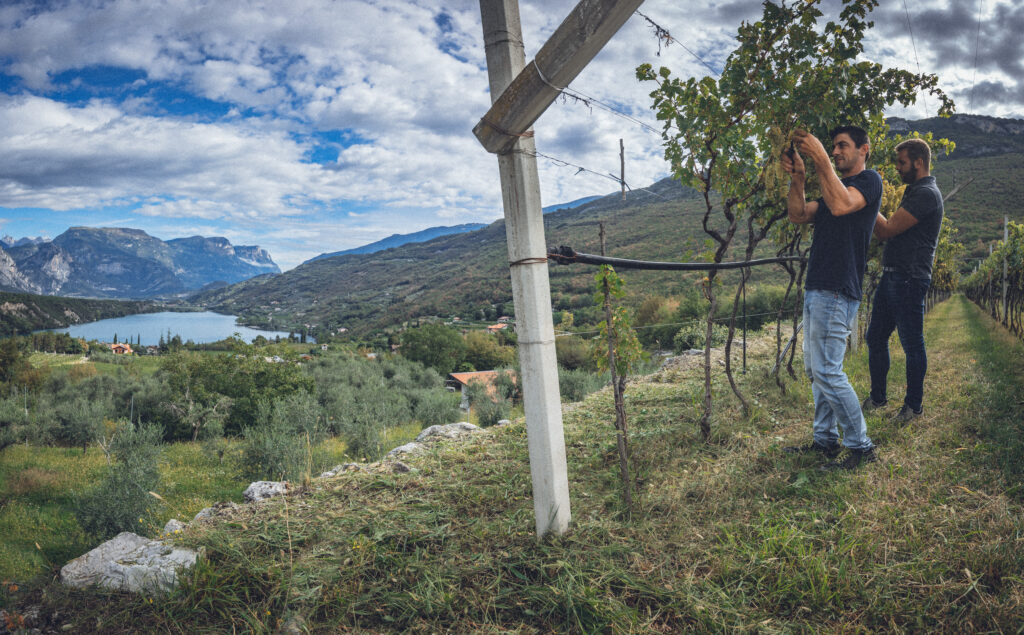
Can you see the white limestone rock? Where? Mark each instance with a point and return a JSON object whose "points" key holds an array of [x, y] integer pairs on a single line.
{"points": [[262, 490], [448, 431], [409, 448], [216, 510], [173, 526], [343, 467], [131, 563]]}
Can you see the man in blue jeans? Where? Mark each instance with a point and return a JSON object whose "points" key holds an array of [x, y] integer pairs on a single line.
{"points": [[911, 237], [843, 218]]}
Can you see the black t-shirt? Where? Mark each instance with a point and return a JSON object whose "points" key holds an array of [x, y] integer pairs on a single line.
{"points": [[840, 246], [913, 251]]}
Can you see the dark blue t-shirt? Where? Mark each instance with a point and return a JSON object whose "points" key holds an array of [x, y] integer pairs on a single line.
{"points": [[913, 251], [840, 245]]}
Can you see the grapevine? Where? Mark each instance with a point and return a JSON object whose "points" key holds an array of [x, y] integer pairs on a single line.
{"points": [[985, 286]]}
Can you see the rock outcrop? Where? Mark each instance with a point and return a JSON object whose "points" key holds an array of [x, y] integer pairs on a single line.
{"points": [[130, 562]]}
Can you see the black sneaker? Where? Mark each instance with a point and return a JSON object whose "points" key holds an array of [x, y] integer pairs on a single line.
{"points": [[829, 451], [853, 460], [906, 414], [869, 404]]}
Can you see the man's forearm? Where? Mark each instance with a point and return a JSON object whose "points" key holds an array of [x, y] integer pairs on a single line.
{"points": [[879, 230], [795, 203], [836, 196]]}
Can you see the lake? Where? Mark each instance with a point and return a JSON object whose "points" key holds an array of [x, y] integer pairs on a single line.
{"points": [[200, 327]]}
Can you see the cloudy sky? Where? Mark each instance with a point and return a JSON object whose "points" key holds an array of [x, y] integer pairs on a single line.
{"points": [[312, 126]]}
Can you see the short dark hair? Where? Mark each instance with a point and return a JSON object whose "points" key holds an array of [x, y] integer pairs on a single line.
{"points": [[857, 134], [916, 149]]}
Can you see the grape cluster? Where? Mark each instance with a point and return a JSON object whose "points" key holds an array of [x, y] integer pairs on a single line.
{"points": [[892, 196], [776, 180]]}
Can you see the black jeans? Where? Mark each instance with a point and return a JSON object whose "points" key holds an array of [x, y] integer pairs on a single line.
{"points": [[899, 305]]}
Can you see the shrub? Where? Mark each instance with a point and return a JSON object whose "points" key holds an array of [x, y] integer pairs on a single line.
{"points": [[489, 413], [360, 414], [364, 425], [693, 336], [437, 407], [40, 427], [575, 385], [280, 445], [655, 321], [80, 420], [122, 501], [476, 393], [78, 372], [434, 345], [12, 421], [573, 352], [484, 352], [507, 386], [762, 305]]}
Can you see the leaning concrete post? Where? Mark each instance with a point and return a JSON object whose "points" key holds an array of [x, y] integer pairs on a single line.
{"points": [[531, 293]]}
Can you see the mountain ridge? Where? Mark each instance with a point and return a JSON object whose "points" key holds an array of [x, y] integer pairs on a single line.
{"points": [[397, 240], [119, 262]]}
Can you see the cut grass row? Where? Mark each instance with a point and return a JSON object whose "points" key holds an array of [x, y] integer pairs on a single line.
{"points": [[729, 535]]}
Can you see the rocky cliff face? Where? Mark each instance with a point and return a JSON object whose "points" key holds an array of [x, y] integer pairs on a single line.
{"points": [[126, 263], [974, 135], [11, 278], [200, 261]]}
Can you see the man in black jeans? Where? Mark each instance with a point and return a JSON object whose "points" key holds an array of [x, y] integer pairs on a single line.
{"points": [[912, 234]]}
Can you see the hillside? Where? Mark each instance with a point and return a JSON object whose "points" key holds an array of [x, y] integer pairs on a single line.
{"points": [[464, 273], [125, 263], [22, 313], [734, 535]]}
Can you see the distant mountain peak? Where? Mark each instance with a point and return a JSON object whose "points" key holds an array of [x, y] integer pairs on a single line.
{"points": [[9, 241], [122, 262]]}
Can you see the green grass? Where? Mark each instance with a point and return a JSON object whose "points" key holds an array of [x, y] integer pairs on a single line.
{"points": [[35, 502], [135, 364], [727, 535], [140, 364], [38, 486]]}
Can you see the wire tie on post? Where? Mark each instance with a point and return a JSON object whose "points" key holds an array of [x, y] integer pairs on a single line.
{"points": [[528, 261], [545, 79], [525, 135]]}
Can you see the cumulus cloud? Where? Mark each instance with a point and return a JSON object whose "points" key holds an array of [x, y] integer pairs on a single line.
{"points": [[215, 115], [65, 157]]}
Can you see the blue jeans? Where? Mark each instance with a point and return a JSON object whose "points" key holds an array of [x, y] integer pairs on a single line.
{"points": [[899, 305], [829, 316]]}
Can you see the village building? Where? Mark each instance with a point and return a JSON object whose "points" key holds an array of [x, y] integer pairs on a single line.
{"points": [[121, 349], [461, 381]]}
